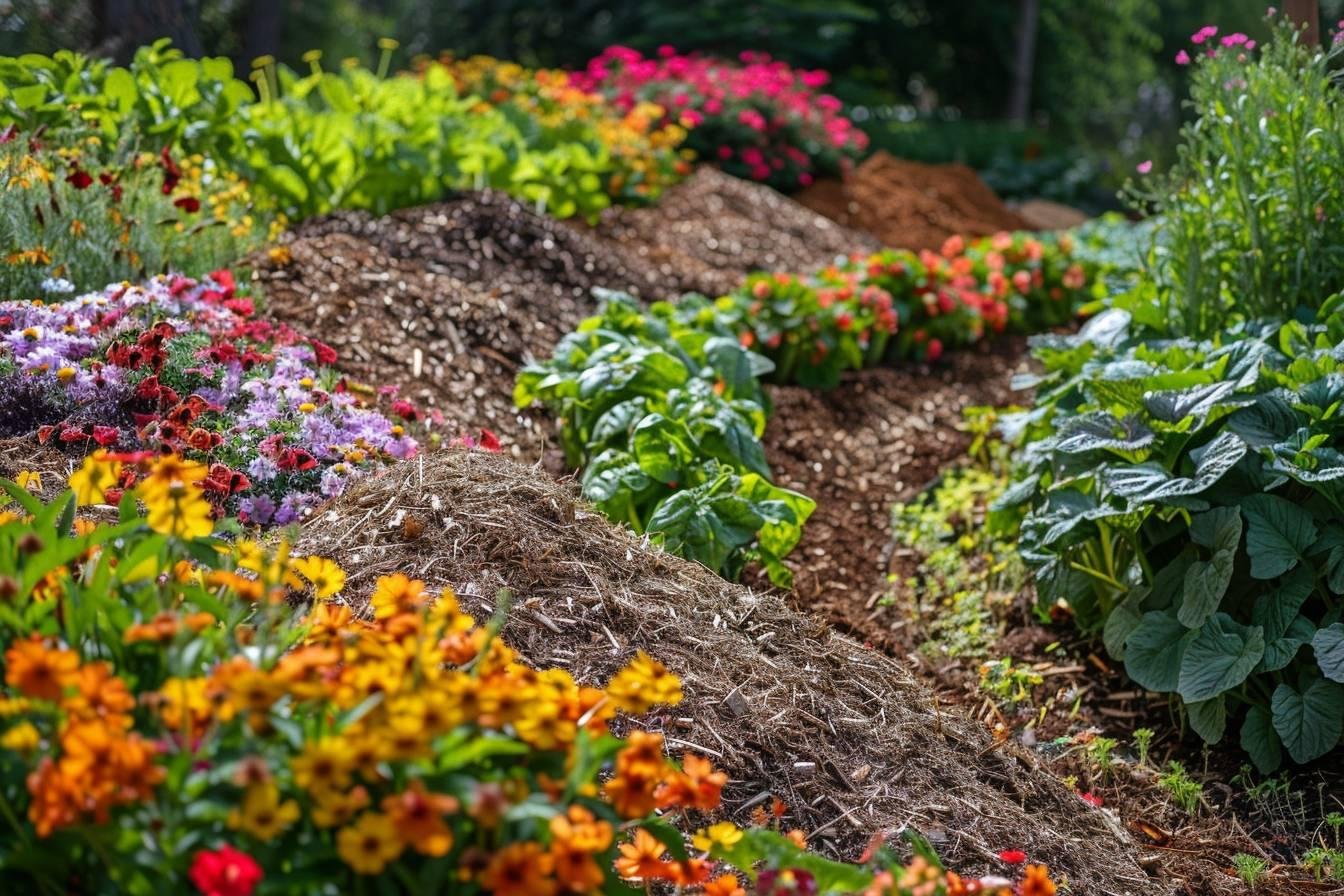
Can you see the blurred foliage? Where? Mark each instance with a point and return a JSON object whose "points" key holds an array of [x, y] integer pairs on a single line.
{"points": [[1104, 76]]}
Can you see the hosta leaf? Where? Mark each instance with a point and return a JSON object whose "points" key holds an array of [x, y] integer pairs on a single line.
{"points": [[1260, 740], [1267, 422], [1278, 534], [1218, 529], [1275, 611], [1220, 657], [1197, 402], [1309, 721], [1205, 584], [1121, 622], [1283, 650], [1329, 646], [1102, 432], [1154, 651], [1209, 719]]}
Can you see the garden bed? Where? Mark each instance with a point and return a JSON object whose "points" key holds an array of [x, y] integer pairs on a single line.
{"points": [[844, 735]]}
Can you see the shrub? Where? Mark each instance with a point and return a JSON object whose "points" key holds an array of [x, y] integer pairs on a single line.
{"points": [[68, 217], [185, 366], [1183, 499], [665, 419], [897, 305], [186, 714], [1253, 210], [757, 118]]}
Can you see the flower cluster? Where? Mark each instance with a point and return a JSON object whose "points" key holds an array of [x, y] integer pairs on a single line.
{"points": [[895, 304], [73, 216], [159, 683], [643, 143], [186, 366], [756, 117]]}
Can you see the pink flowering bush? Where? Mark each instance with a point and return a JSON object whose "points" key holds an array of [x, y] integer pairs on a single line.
{"points": [[186, 366], [757, 118]]}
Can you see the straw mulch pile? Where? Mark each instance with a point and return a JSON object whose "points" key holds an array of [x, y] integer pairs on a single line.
{"points": [[844, 735]]}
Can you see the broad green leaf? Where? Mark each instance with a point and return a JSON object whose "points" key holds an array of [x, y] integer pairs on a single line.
{"points": [[1205, 584], [1328, 644], [1260, 740], [1310, 720], [1208, 718], [1219, 658], [1155, 649], [1278, 534], [1283, 650], [1121, 622]]}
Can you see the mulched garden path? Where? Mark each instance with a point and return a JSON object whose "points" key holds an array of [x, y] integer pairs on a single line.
{"points": [[880, 437]]}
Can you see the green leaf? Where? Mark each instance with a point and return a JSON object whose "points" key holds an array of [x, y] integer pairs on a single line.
{"points": [[1260, 740], [1205, 585], [1219, 658], [1329, 646], [1121, 622], [1154, 651], [1209, 719], [1278, 534], [1311, 720]]}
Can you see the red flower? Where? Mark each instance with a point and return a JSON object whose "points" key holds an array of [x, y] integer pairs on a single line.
{"points": [[225, 872], [1091, 799], [489, 441], [1013, 856], [171, 173], [935, 349], [79, 179], [189, 204], [325, 353], [106, 435]]}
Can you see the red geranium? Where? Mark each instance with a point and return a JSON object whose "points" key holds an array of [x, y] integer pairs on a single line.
{"points": [[225, 872]]}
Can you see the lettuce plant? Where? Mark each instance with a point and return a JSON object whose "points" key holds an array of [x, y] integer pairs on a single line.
{"points": [[665, 419]]}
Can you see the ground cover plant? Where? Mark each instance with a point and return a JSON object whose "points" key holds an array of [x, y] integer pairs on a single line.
{"points": [[665, 420], [207, 715], [1181, 494], [897, 305], [349, 138], [756, 117], [187, 366]]}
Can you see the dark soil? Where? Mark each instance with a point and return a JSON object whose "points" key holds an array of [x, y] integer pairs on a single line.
{"points": [[911, 205], [880, 437]]}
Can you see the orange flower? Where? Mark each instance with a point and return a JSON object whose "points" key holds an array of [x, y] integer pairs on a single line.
{"points": [[520, 869], [397, 593], [642, 859], [575, 837], [101, 695], [418, 818], [698, 786], [1037, 882], [39, 671], [724, 885], [631, 793], [643, 684]]}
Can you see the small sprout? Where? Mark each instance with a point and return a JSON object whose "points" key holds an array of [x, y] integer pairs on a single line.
{"points": [[1143, 742], [1185, 791], [1102, 753], [1251, 869]]}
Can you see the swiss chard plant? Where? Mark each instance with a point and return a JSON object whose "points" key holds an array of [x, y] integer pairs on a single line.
{"points": [[664, 417], [1186, 500]]}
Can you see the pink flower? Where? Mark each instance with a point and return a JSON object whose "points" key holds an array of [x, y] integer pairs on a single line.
{"points": [[1144, 167], [1203, 34], [1182, 58], [725, 152], [1234, 39]]}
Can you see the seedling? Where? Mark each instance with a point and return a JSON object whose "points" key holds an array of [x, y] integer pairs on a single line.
{"points": [[1185, 791], [1251, 869]]}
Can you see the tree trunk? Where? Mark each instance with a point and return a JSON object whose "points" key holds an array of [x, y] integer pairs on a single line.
{"points": [[1019, 97], [1306, 12]]}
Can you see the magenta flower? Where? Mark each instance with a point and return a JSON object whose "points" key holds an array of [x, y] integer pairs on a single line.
{"points": [[1144, 167], [1182, 58]]}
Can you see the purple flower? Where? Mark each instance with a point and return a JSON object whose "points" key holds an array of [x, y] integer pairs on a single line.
{"points": [[259, 510]]}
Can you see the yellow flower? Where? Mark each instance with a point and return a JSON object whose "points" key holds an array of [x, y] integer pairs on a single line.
{"points": [[723, 834], [331, 808], [326, 577], [94, 477], [369, 844], [29, 480], [643, 684], [262, 814], [182, 513], [324, 764], [22, 738]]}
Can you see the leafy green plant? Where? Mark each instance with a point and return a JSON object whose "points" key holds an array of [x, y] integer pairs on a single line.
{"points": [[1010, 685], [1251, 210], [1185, 791], [1251, 869], [1143, 742], [1183, 499], [1324, 863], [665, 419]]}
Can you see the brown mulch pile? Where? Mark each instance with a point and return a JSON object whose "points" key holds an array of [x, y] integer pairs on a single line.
{"points": [[708, 232], [844, 735], [447, 300], [878, 438], [911, 205]]}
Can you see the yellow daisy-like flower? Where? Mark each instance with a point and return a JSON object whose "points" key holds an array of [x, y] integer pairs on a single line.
{"points": [[94, 477], [369, 844], [723, 834], [22, 738], [644, 684], [326, 576], [262, 814]]}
